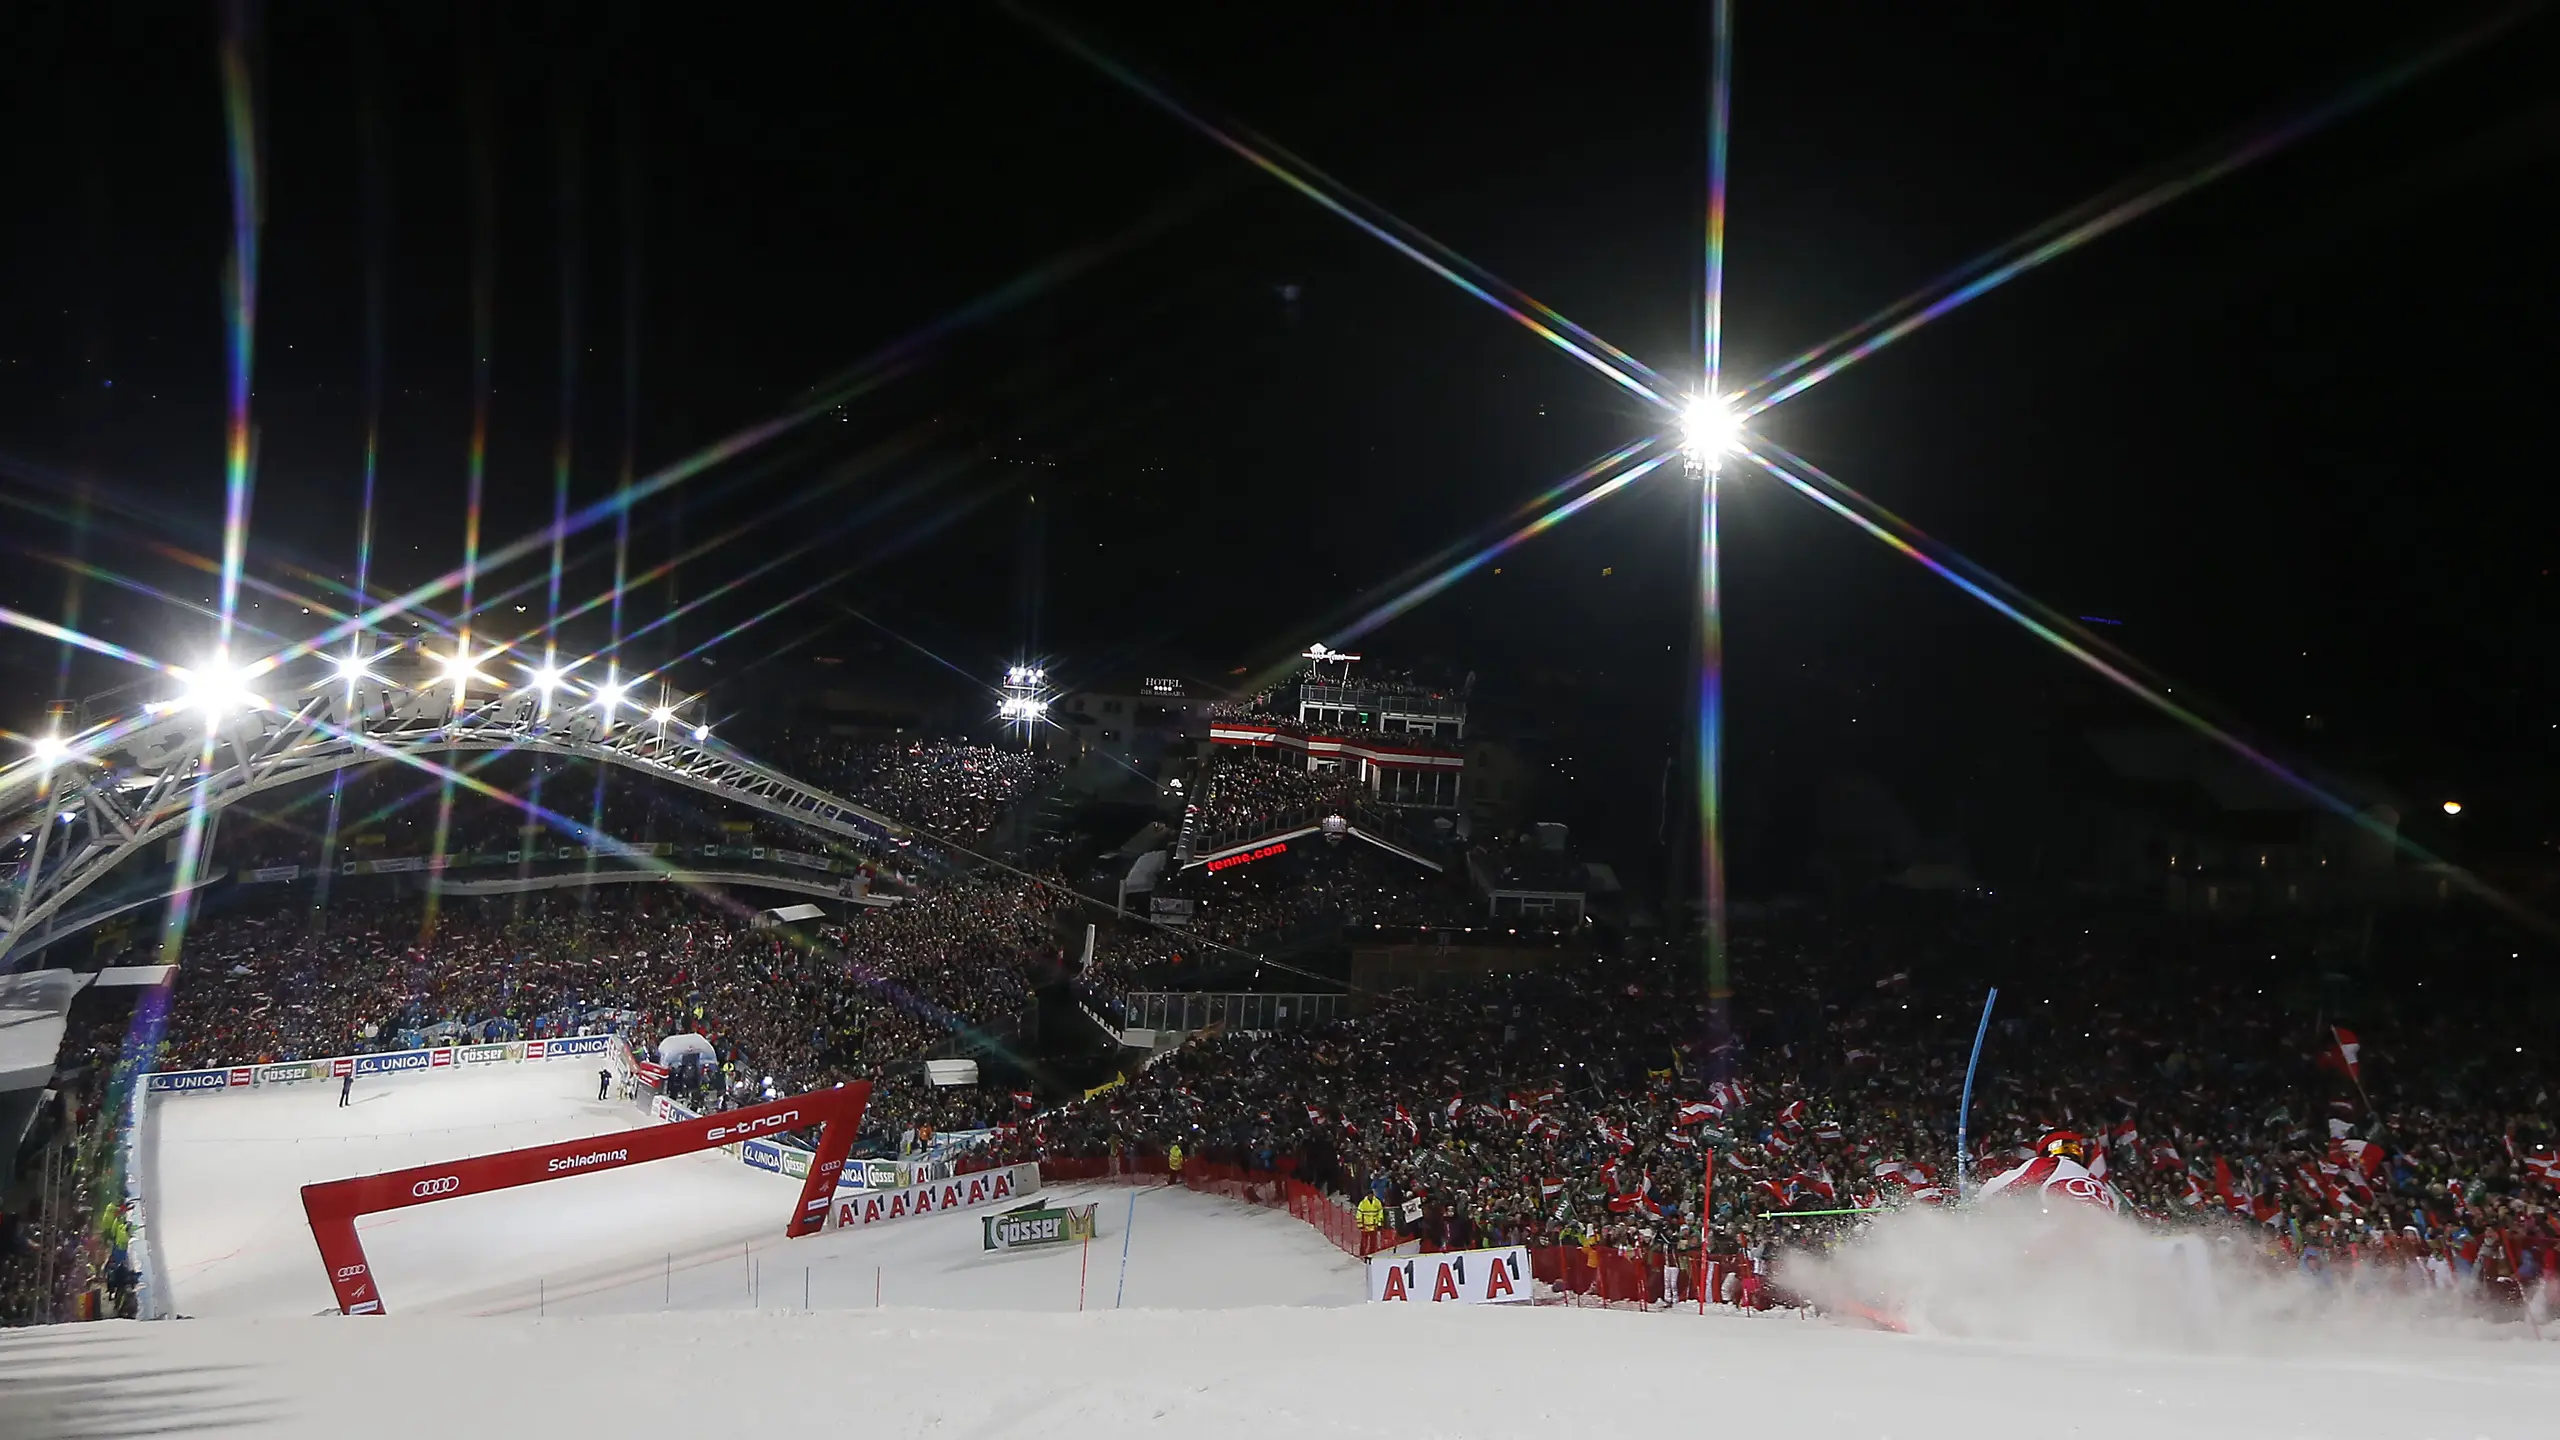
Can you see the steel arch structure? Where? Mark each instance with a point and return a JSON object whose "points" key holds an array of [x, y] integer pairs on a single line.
{"points": [[132, 783]]}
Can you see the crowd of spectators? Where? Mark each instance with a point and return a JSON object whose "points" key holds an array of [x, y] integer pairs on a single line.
{"points": [[862, 998], [1549, 1107], [1245, 795], [1328, 892], [945, 787]]}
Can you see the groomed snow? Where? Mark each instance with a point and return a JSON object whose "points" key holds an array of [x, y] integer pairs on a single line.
{"points": [[224, 1172], [1366, 1371], [667, 1289], [699, 1232]]}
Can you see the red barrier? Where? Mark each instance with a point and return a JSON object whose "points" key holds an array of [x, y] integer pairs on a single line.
{"points": [[1332, 1218], [333, 1205], [1633, 1276]]}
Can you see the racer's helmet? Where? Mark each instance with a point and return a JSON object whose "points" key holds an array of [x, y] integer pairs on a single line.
{"points": [[2069, 1144]]}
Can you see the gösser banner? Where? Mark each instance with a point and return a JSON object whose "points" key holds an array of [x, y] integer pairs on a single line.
{"points": [[334, 1205], [966, 1192], [1463, 1277], [1029, 1229]]}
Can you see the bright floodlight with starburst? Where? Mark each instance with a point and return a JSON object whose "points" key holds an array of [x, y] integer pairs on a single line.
{"points": [[1709, 429], [214, 688]]}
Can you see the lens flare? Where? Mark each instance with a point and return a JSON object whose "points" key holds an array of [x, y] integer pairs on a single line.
{"points": [[1620, 367], [1380, 614], [1880, 524], [2095, 218]]}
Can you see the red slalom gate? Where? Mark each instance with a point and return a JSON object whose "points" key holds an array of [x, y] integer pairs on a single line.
{"points": [[333, 1205]]}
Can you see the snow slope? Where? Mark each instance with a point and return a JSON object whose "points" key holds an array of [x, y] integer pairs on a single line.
{"points": [[1360, 1371], [223, 1173], [667, 1288]]}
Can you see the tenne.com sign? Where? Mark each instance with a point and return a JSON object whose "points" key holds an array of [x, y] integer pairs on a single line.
{"points": [[1265, 852]]}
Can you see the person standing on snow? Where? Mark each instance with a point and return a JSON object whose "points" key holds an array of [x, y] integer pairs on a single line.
{"points": [[346, 1087]]}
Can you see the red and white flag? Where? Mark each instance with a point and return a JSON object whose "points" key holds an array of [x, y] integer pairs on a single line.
{"points": [[1792, 1114], [1698, 1112], [2345, 1053]]}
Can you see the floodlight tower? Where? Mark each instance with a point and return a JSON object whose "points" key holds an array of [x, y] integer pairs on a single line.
{"points": [[1026, 700]]}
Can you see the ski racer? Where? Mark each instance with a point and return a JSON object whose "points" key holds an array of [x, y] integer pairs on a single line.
{"points": [[2060, 1171]]}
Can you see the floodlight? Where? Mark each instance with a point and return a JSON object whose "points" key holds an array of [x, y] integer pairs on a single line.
{"points": [[215, 688], [47, 750], [701, 732], [1709, 428], [353, 667], [2453, 807], [609, 695], [662, 715], [548, 679]]}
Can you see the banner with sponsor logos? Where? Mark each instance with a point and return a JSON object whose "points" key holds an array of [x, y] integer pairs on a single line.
{"points": [[183, 1082], [393, 1062], [271, 874], [962, 1192], [334, 1206], [1031, 1229], [1460, 1277]]}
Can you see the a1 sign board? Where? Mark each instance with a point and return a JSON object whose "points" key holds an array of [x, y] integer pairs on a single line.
{"points": [[1461, 1277]]}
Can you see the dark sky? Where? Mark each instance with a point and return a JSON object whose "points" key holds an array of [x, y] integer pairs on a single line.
{"points": [[2292, 430]]}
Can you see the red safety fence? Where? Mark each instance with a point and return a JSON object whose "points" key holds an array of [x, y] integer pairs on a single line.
{"points": [[1641, 1277]]}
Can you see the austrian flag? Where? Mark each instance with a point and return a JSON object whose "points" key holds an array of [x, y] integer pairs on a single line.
{"points": [[1698, 1112]]}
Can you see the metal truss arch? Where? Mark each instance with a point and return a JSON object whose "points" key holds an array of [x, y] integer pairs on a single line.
{"points": [[132, 783]]}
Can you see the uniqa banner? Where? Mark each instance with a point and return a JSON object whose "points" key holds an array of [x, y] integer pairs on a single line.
{"points": [[1029, 1229], [1461, 1277]]}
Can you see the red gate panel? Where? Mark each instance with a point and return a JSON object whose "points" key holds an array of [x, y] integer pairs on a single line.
{"points": [[333, 1205]]}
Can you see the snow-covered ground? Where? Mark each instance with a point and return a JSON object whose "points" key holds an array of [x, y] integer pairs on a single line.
{"points": [[667, 1289], [223, 1176], [1365, 1371]]}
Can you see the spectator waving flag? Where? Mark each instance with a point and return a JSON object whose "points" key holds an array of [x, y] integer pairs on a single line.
{"points": [[2345, 1054], [1698, 1112]]}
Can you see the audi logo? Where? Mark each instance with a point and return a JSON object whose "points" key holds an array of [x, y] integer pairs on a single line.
{"points": [[349, 1271], [441, 1185]]}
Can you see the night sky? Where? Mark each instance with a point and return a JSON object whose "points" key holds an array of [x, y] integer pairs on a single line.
{"points": [[2291, 432]]}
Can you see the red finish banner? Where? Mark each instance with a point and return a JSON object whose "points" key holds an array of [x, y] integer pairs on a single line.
{"points": [[333, 1205]]}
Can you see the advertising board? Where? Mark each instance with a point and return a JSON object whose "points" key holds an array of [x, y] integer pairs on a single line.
{"points": [[293, 1072], [967, 1192], [562, 1047], [1031, 1229], [1460, 1277], [187, 1082]]}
